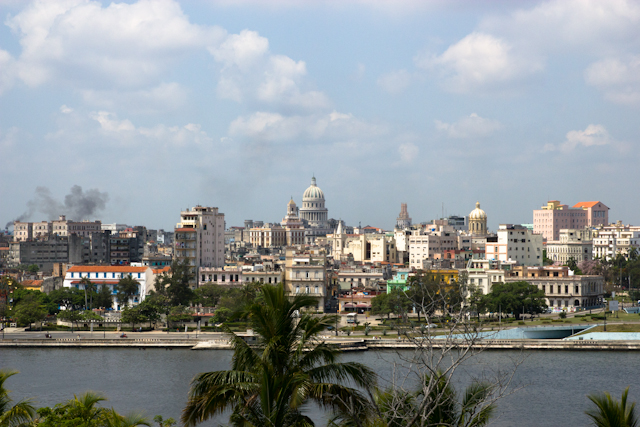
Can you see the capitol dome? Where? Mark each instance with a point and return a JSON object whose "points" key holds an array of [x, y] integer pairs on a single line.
{"points": [[477, 213], [313, 192]]}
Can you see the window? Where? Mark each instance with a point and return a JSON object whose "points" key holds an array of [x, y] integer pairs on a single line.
{"points": [[566, 289]]}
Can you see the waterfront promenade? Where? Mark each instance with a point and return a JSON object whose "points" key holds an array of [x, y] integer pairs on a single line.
{"points": [[17, 338]]}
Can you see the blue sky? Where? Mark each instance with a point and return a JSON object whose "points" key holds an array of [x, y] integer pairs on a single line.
{"points": [[161, 105]]}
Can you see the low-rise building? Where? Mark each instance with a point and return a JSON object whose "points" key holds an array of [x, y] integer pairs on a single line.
{"points": [[573, 243], [563, 290], [110, 276]]}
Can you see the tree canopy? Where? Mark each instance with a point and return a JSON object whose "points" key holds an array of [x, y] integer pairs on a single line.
{"points": [[515, 297]]}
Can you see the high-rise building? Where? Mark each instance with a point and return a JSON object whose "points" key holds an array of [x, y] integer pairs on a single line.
{"points": [[199, 239]]}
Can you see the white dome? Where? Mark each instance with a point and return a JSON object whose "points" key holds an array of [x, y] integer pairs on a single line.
{"points": [[313, 192], [477, 213]]}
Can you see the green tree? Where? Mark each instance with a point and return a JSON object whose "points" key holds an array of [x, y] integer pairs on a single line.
{"points": [[128, 287], [179, 287], [69, 298], [87, 286], [399, 303], [18, 414], [73, 316], [476, 301], [169, 422], [132, 315], [269, 383], [209, 295], [29, 311], [608, 412], [83, 411], [104, 297], [380, 305], [178, 314], [441, 406], [33, 268], [150, 310], [516, 298]]}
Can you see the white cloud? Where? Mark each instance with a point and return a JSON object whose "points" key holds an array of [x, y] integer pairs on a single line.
{"points": [[593, 135], [122, 44], [275, 127], [165, 96], [65, 110], [395, 82], [408, 152], [472, 126], [249, 72], [125, 132], [564, 25], [479, 60], [619, 79]]}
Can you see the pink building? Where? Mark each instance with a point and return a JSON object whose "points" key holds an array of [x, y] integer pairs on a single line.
{"points": [[550, 219]]}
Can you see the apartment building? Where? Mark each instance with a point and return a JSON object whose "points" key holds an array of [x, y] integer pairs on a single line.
{"points": [[576, 244], [305, 272], [608, 241], [550, 219], [515, 243], [199, 239], [435, 239]]}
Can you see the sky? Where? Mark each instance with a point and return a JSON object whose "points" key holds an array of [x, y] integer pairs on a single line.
{"points": [[130, 112]]}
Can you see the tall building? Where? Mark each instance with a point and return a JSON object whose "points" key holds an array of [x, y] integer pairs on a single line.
{"points": [[515, 243], [403, 220], [550, 219], [199, 238], [576, 244]]}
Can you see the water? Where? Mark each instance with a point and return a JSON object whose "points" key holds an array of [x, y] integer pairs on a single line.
{"points": [[556, 383]]}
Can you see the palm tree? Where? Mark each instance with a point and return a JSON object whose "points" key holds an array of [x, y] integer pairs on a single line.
{"points": [[436, 404], [269, 384], [127, 288], [130, 420], [13, 415], [608, 412], [86, 407], [86, 284]]}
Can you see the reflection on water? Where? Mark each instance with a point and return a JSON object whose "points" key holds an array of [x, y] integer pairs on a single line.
{"points": [[157, 380]]}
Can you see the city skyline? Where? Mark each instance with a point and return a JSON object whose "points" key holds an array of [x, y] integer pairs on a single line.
{"points": [[154, 106]]}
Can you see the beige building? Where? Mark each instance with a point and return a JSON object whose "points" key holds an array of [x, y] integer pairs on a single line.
{"points": [[562, 290], [305, 272], [550, 219], [199, 238], [515, 243], [576, 244]]}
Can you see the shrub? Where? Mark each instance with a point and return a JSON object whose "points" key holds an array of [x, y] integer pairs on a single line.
{"points": [[521, 323], [563, 315]]}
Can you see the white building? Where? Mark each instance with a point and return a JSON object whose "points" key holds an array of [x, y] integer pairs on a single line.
{"points": [[576, 244], [424, 244], [314, 213], [515, 243], [610, 240], [110, 276], [199, 238], [484, 273]]}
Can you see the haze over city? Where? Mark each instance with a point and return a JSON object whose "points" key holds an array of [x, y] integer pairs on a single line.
{"points": [[133, 111]]}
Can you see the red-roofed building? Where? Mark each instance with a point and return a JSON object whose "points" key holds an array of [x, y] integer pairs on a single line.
{"points": [[550, 219], [110, 276]]}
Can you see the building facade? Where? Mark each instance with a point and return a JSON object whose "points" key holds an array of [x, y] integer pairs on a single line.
{"points": [[199, 239], [576, 244], [550, 219], [515, 243], [305, 272]]}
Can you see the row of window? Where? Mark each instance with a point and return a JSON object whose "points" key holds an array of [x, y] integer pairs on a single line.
{"points": [[104, 275]]}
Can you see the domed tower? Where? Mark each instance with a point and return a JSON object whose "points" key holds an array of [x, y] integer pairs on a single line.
{"points": [[291, 220], [313, 209], [478, 221]]}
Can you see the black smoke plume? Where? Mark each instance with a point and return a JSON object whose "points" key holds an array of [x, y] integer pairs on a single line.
{"points": [[77, 205]]}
